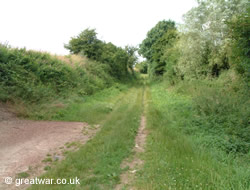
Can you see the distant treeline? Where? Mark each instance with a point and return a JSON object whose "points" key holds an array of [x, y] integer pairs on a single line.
{"points": [[214, 38]]}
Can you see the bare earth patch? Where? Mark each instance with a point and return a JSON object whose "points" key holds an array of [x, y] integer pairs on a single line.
{"points": [[24, 144]]}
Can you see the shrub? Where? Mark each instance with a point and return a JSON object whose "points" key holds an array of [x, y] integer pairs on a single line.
{"points": [[225, 112], [221, 109], [34, 76]]}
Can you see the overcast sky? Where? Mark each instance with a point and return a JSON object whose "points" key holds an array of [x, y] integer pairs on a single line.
{"points": [[47, 25]]}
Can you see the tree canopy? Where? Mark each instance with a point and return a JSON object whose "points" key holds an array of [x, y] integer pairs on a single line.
{"points": [[86, 42], [118, 59], [213, 38], [153, 46]]}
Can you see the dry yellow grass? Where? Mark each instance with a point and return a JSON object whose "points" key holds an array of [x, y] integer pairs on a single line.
{"points": [[72, 59]]}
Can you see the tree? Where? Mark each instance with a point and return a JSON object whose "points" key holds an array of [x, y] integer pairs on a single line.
{"points": [[117, 58], [239, 32], [204, 43], [152, 36], [131, 51], [153, 47], [159, 57], [87, 43]]}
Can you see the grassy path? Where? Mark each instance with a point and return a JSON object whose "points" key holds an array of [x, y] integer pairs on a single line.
{"points": [[97, 163], [134, 163]]}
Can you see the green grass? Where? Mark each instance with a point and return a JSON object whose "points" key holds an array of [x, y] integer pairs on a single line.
{"points": [[97, 163], [72, 144], [91, 109], [175, 159], [48, 159], [23, 175], [185, 147], [46, 168]]}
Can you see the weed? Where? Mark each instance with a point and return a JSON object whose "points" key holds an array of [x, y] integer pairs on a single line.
{"points": [[23, 175], [49, 159], [46, 168]]}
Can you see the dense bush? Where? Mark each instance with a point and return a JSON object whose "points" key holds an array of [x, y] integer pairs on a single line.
{"points": [[226, 114], [34, 76], [221, 110]]}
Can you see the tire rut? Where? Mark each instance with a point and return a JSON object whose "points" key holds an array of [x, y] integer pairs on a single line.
{"points": [[134, 163]]}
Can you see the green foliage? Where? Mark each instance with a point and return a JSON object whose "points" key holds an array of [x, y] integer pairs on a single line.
{"points": [[239, 31], [35, 77], [221, 109], [118, 59], [206, 33], [226, 114], [152, 48], [131, 51], [214, 38], [213, 42], [159, 48], [142, 67], [182, 154], [23, 175], [87, 43], [171, 57], [153, 36]]}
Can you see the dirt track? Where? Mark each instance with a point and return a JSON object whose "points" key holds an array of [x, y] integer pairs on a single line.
{"points": [[24, 143], [135, 163]]}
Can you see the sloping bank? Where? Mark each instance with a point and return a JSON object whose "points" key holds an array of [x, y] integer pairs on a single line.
{"points": [[35, 81]]}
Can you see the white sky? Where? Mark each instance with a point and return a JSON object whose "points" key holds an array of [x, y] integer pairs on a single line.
{"points": [[46, 25]]}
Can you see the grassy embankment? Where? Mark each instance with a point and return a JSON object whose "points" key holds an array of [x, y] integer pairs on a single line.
{"points": [[39, 84]]}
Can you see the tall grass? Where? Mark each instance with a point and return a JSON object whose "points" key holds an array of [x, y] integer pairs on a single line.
{"points": [[73, 60], [222, 108], [181, 154]]}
